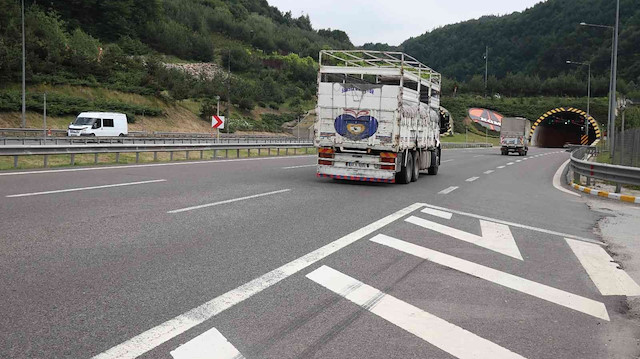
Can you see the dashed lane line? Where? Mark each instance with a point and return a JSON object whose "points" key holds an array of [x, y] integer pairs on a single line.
{"points": [[448, 190], [228, 201], [84, 188], [472, 179]]}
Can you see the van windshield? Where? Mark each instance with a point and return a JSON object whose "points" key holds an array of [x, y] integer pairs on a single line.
{"points": [[84, 121]]}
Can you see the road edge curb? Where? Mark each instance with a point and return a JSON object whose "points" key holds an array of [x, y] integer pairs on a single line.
{"points": [[605, 194]]}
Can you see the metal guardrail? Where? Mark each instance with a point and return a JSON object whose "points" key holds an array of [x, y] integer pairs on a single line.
{"points": [[61, 141], [612, 173], [102, 148], [53, 132], [464, 145]]}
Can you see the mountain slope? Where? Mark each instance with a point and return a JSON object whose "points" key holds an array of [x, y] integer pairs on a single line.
{"points": [[537, 41]]}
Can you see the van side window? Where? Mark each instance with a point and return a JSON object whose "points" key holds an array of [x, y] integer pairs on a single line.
{"points": [[98, 123], [107, 122]]}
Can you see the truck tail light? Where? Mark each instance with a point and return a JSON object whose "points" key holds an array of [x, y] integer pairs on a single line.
{"points": [[388, 167], [326, 153], [388, 157], [325, 162]]}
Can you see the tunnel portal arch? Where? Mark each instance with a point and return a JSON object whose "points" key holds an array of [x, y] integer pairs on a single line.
{"points": [[574, 118]]}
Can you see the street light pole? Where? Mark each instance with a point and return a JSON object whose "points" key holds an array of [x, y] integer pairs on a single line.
{"points": [[486, 68], [24, 91], [611, 109], [614, 81], [586, 119]]}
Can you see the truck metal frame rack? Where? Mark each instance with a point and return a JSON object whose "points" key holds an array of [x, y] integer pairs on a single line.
{"points": [[386, 66]]}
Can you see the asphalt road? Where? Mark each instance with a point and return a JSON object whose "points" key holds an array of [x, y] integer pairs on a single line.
{"points": [[262, 258]]}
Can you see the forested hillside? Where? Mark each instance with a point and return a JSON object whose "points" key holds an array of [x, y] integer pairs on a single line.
{"points": [[124, 45], [529, 47]]}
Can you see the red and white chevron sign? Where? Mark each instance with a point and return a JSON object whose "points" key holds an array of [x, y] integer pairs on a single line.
{"points": [[217, 121]]}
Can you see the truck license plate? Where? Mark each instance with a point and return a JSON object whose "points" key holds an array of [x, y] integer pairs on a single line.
{"points": [[357, 164]]}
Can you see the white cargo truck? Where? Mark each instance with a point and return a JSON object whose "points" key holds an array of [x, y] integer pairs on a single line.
{"points": [[378, 117], [513, 135]]}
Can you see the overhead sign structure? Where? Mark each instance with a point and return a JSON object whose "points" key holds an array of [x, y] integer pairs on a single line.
{"points": [[217, 122]]}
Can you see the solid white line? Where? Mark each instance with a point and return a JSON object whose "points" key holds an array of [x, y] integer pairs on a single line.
{"points": [[496, 237], [210, 344], [501, 167], [437, 213], [489, 172], [556, 180], [472, 179], [84, 188], [228, 201], [448, 190], [446, 161], [604, 272], [512, 224], [444, 335], [158, 335], [294, 167], [553, 295], [150, 165]]}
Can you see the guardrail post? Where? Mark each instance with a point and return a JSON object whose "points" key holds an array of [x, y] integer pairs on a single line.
{"points": [[576, 177], [259, 151], [117, 157], [155, 156], [286, 151], [45, 161], [186, 155], [238, 153], [201, 154], [588, 181], [618, 187], [137, 157], [171, 156], [95, 158], [73, 159], [215, 154], [226, 153], [278, 152]]}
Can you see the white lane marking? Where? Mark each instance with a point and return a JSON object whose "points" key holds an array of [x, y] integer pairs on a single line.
{"points": [[489, 172], [168, 330], [228, 201], [295, 167], [526, 286], [448, 190], [446, 161], [518, 161], [472, 179], [556, 180], [509, 164], [444, 335], [84, 188], [208, 345], [437, 213], [496, 237], [501, 167], [604, 272], [512, 224], [151, 165], [478, 156]]}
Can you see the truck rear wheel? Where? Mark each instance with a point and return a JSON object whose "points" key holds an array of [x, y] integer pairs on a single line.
{"points": [[406, 171], [416, 167], [435, 159]]}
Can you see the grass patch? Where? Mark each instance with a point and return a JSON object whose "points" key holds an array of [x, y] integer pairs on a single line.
{"points": [[470, 138]]}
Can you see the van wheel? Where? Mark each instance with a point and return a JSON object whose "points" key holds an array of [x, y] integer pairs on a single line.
{"points": [[406, 172], [416, 167], [435, 160]]}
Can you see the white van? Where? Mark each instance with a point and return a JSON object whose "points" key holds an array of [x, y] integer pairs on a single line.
{"points": [[99, 124]]}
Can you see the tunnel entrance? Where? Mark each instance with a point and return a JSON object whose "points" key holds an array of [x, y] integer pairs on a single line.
{"points": [[560, 126]]}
